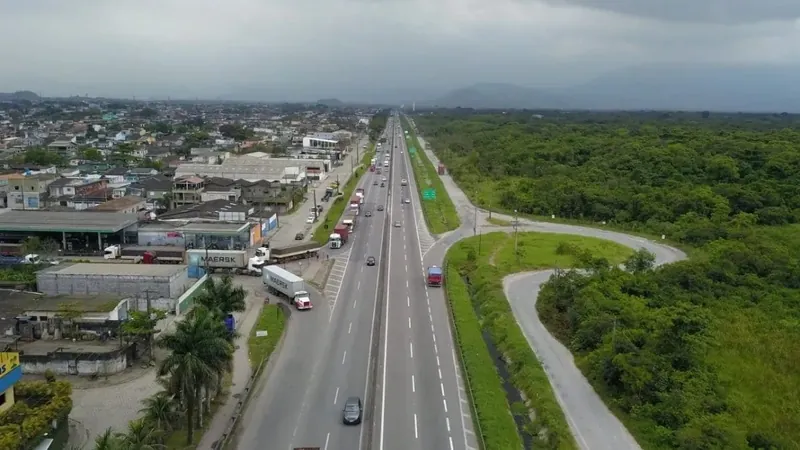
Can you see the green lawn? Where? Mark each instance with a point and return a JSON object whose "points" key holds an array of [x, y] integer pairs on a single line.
{"points": [[499, 222], [440, 213], [271, 320], [481, 305], [339, 202]]}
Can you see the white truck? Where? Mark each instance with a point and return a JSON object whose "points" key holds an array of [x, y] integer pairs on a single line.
{"points": [[230, 261], [281, 282]]}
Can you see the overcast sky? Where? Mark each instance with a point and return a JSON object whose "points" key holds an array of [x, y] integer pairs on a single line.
{"points": [[362, 49]]}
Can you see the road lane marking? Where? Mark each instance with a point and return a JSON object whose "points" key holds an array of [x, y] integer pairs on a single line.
{"points": [[344, 356], [406, 267], [444, 400], [441, 385], [406, 283], [355, 302], [436, 350], [411, 349], [440, 373], [437, 360], [409, 323], [405, 256], [434, 338], [416, 432], [336, 397], [447, 421], [350, 328], [327, 438], [358, 285], [451, 441], [413, 384], [362, 269], [408, 301]]}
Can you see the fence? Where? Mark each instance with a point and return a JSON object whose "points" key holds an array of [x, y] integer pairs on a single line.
{"points": [[241, 405], [464, 374], [186, 301]]}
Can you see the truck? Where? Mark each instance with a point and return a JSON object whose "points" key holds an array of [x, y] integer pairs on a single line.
{"points": [[285, 284], [294, 252], [355, 204], [339, 236], [15, 260], [349, 219], [8, 249], [229, 261], [434, 276], [441, 170], [150, 254]]}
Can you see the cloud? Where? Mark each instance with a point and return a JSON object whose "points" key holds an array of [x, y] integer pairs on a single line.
{"points": [[305, 49]]}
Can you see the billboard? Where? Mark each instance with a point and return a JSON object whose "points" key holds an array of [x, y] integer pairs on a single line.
{"points": [[272, 222], [10, 370]]}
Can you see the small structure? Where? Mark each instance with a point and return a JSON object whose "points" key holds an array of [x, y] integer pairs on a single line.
{"points": [[160, 285]]}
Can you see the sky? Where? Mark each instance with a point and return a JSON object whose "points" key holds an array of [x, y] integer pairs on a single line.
{"points": [[370, 50]]}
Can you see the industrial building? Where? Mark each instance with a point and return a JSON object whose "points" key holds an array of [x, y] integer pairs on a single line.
{"points": [[160, 284]]}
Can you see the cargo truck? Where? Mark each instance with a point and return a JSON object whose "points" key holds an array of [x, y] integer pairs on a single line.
{"points": [[228, 261], [136, 253], [434, 276], [15, 260], [339, 236], [283, 283], [349, 219], [294, 252], [360, 195], [355, 204]]}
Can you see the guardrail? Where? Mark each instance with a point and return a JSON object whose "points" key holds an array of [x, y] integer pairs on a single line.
{"points": [[464, 375], [241, 405]]}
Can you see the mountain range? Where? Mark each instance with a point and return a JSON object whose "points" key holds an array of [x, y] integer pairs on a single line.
{"points": [[699, 88]]}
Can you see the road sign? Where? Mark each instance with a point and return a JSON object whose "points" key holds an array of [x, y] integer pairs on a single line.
{"points": [[429, 194], [412, 150]]}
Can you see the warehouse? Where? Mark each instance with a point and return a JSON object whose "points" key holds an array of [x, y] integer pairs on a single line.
{"points": [[160, 284]]}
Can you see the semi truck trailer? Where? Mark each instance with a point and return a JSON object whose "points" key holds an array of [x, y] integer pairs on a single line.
{"points": [[229, 261], [285, 284], [294, 252]]}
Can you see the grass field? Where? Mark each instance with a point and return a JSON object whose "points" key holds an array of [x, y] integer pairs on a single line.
{"points": [[440, 213], [271, 320], [339, 202], [478, 303], [499, 222]]}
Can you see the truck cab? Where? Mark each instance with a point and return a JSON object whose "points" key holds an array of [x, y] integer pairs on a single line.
{"points": [[335, 240], [434, 276], [302, 300]]}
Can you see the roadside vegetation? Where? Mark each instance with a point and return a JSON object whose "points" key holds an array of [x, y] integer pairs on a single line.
{"points": [[339, 202], [39, 404], [440, 213], [475, 270], [699, 354], [259, 348], [195, 374]]}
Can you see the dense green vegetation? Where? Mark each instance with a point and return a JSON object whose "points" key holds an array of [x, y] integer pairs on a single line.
{"points": [[377, 124], [475, 271], [259, 348], [38, 405], [700, 354], [440, 213], [339, 202]]}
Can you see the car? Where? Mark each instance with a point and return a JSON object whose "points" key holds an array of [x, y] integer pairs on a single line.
{"points": [[397, 224], [368, 214], [352, 411], [403, 182], [379, 208], [401, 152], [407, 201], [310, 219], [299, 236], [375, 183], [383, 184], [385, 179], [370, 260]]}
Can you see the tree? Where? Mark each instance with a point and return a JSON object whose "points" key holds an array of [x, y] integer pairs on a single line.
{"points": [[222, 297], [42, 157], [140, 435], [69, 312], [142, 324], [92, 154], [107, 441], [35, 245], [161, 411], [199, 355]]}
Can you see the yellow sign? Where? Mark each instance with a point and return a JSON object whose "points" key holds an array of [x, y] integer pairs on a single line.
{"points": [[8, 361]]}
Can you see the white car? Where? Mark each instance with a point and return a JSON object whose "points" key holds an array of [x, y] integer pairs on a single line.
{"points": [[310, 219], [403, 182]]}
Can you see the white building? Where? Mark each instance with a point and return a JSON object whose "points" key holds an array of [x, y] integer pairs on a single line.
{"points": [[321, 141]]}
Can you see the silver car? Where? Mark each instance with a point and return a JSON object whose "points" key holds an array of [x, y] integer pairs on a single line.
{"points": [[397, 224]]}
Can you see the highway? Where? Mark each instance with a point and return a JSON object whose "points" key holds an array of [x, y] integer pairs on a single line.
{"points": [[419, 404], [326, 353]]}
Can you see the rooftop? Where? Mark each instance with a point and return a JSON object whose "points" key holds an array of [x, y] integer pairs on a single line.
{"points": [[15, 303], [69, 221], [251, 172], [119, 204], [196, 227], [147, 270]]}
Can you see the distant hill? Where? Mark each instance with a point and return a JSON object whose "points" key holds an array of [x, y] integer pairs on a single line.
{"points": [[498, 96], [333, 102], [19, 95], [655, 87]]}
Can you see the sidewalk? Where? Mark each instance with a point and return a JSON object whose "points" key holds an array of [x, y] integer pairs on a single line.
{"points": [[290, 225]]}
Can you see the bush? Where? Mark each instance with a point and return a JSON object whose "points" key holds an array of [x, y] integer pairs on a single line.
{"points": [[39, 403]]}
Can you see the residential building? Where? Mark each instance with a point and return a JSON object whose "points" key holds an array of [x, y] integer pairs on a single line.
{"points": [[221, 189], [152, 189], [64, 148], [321, 142], [129, 204], [28, 192], [187, 190]]}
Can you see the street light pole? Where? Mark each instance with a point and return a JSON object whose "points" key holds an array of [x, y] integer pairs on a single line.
{"points": [[516, 240]]}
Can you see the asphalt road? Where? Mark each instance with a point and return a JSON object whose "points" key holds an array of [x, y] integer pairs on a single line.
{"points": [[594, 426], [419, 404], [325, 355]]}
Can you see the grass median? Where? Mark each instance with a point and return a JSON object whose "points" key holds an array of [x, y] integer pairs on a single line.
{"points": [[440, 213], [339, 202], [259, 348], [475, 270]]}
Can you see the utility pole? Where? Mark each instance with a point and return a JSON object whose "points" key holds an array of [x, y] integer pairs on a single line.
{"points": [[516, 240], [314, 194], [475, 217]]}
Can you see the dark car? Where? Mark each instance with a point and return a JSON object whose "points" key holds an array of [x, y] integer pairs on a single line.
{"points": [[370, 260], [351, 414], [299, 237], [368, 214], [379, 208], [375, 183]]}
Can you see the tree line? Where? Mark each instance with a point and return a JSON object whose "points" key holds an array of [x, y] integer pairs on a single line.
{"points": [[699, 354], [377, 124]]}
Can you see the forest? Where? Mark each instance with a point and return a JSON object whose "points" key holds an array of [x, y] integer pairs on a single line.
{"points": [[700, 354]]}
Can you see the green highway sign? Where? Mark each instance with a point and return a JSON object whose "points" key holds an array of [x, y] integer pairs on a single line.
{"points": [[412, 150], [429, 194]]}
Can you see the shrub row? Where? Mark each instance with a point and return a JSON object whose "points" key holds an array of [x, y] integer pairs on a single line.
{"points": [[339, 202], [440, 214], [549, 426], [38, 404], [490, 408]]}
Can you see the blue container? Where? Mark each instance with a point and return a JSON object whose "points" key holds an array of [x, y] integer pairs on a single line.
{"points": [[230, 323]]}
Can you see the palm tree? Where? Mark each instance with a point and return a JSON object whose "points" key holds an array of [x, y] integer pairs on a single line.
{"points": [[222, 297], [107, 441], [161, 411], [199, 353], [140, 436]]}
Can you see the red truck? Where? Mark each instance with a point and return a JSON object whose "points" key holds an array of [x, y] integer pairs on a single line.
{"points": [[434, 276], [442, 170]]}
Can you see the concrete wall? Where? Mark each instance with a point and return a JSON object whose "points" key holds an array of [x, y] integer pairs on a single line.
{"points": [[138, 286], [75, 364]]}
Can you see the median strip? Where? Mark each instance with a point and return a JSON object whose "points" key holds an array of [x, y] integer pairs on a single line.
{"points": [[439, 211]]}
